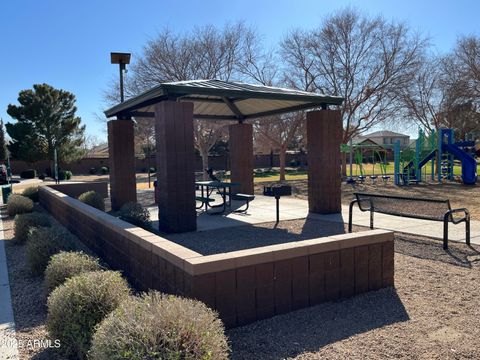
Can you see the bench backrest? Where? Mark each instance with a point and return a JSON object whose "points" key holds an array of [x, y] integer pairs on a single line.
{"points": [[419, 208]]}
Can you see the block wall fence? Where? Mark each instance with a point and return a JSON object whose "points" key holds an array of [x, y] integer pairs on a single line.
{"points": [[243, 286]]}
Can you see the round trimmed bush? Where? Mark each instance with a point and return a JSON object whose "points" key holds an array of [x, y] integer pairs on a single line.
{"points": [[78, 305], [104, 170], [64, 175], [44, 242], [135, 214], [25, 222], [64, 265], [92, 171], [31, 193], [157, 326], [19, 204], [94, 199]]}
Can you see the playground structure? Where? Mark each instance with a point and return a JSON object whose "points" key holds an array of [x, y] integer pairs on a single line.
{"points": [[370, 153], [436, 151]]}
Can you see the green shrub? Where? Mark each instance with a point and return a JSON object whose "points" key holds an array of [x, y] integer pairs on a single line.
{"points": [[19, 204], [104, 170], [44, 242], [157, 326], [94, 199], [64, 265], [28, 174], [64, 175], [78, 305], [42, 176], [135, 214], [31, 192], [92, 171], [25, 222]]}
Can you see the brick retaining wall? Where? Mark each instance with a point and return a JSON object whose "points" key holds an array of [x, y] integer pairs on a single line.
{"points": [[243, 286]]}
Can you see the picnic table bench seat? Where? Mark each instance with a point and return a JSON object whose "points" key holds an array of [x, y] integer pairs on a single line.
{"points": [[203, 200], [417, 208], [243, 197]]}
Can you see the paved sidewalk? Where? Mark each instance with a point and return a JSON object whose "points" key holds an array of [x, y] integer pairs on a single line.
{"points": [[8, 345], [262, 210], [407, 225]]}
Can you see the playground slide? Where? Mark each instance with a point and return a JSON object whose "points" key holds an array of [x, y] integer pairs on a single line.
{"points": [[469, 165], [422, 162]]}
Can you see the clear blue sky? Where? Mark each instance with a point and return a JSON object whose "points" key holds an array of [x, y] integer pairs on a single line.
{"points": [[67, 43]]}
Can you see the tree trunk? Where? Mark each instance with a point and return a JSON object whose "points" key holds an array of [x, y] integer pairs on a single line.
{"points": [[271, 159], [204, 155], [282, 157]]}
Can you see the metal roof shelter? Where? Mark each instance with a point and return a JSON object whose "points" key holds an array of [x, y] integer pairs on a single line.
{"points": [[222, 100], [173, 106]]}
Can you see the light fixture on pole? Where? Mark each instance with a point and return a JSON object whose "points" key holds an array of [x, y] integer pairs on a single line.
{"points": [[122, 59]]}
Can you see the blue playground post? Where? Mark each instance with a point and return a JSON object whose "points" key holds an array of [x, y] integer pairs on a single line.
{"points": [[418, 149], [396, 165], [451, 163], [439, 155], [432, 146]]}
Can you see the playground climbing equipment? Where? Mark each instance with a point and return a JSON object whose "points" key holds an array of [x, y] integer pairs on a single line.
{"points": [[438, 149]]}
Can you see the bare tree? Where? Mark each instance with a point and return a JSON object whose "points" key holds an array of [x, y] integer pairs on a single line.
{"points": [[206, 134], [90, 144], [205, 53], [426, 96], [279, 132], [363, 59], [463, 118], [466, 61]]}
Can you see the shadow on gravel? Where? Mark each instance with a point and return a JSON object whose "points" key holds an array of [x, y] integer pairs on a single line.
{"points": [[310, 329], [253, 236], [458, 254]]}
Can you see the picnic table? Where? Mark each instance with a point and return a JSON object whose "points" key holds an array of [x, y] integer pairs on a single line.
{"points": [[224, 189]]}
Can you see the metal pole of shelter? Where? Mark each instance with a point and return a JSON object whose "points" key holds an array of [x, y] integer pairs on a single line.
{"points": [[122, 68]]}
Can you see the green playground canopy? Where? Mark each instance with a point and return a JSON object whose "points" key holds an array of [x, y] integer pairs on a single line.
{"points": [[222, 100]]}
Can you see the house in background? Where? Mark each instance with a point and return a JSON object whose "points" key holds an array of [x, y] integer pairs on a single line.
{"points": [[384, 138], [379, 142]]}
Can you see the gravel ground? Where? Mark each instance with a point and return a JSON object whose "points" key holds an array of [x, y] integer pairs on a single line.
{"points": [[432, 314], [28, 300], [227, 239]]}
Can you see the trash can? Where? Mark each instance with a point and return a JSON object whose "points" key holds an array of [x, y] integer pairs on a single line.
{"points": [[6, 191], [155, 191]]}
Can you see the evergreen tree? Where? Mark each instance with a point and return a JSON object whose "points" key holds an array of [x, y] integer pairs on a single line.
{"points": [[46, 121], [3, 146]]}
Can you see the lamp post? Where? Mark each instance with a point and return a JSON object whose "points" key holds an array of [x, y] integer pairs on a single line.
{"points": [[122, 59]]}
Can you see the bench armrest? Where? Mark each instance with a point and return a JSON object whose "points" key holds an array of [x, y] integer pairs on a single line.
{"points": [[448, 215]]}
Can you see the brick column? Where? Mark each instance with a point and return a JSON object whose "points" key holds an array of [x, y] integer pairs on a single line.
{"points": [[241, 157], [324, 134], [122, 163], [175, 166]]}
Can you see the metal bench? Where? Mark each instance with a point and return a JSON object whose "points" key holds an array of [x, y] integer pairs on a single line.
{"points": [[417, 208], [243, 197]]}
